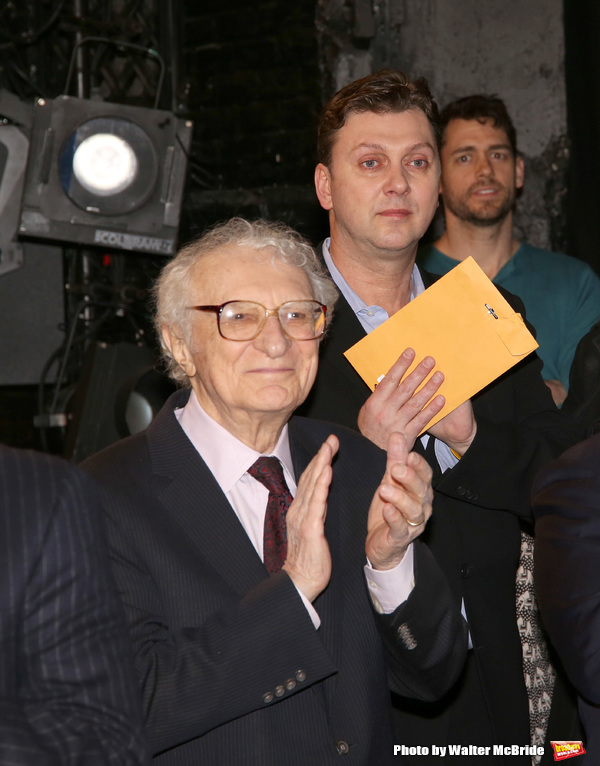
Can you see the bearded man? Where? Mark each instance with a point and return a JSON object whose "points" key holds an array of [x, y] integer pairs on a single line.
{"points": [[482, 173]]}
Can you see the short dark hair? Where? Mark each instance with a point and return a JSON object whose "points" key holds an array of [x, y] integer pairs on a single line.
{"points": [[480, 107], [388, 90]]}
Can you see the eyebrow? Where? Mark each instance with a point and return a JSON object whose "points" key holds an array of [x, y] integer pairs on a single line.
{"points": [[492, 148], [382, 148]]}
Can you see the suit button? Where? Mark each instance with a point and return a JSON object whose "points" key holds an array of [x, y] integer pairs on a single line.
{"points": [[279, 691], [407, 637], [290, 684], [465, 571], [268, 697], [461, 491], [342, 747], [300, 675]]}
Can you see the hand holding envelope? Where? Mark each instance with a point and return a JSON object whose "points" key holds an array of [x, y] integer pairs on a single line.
{"points": [[465, 325], [398, 404]]}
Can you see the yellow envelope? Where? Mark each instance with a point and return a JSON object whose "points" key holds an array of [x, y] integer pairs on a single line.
{"points": [[463, 322]]}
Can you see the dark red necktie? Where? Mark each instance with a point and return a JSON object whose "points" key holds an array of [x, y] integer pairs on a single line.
{"points": [[269, 472]]}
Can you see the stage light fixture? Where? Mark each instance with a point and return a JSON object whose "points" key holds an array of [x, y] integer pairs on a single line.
{"points": [[105, 174], [104, 164], [118, 394], [14, 148]]}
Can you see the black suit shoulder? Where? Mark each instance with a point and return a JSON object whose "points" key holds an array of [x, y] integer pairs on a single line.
{"points": [[224, 651], [67, 694], [566, 502], [479, 506]]}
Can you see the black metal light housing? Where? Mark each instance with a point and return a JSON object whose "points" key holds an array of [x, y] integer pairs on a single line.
{"points": [[105, 174]]}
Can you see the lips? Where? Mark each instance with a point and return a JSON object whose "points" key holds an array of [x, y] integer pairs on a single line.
{"points": [[271, 370], [395, 213], [488, 189]]}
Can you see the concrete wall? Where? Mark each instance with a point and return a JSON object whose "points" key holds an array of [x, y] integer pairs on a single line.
{"points": [[514, 49], [259, 74]]}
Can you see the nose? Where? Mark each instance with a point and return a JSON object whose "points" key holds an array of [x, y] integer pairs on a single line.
{"points": [[484, 166], [397, 180], [272, 340]]}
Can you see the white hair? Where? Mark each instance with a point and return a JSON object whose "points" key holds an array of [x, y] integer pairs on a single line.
{"points": [[171, 288]]}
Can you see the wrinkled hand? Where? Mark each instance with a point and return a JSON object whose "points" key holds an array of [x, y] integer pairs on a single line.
{"points": [[457, 429], [395, 407], [308, 560], [401, 505]]}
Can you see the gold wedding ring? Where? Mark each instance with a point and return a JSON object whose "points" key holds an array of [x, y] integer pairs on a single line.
{"points": [[416, 523]]}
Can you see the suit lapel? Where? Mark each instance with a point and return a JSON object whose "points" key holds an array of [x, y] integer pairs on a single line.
{"points": [[346, 330], [197, 504], [194, 500], [428, 279], [329, 604]]}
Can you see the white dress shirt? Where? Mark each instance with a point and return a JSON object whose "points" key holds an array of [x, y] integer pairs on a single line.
{"points": [[229, 459]]}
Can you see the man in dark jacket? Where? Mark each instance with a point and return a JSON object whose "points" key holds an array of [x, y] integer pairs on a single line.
{"points": [[67, 690], [378, 177]]}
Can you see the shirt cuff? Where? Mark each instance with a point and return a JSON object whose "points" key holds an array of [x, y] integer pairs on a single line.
{"points": [[312, 612], [389, 588]]}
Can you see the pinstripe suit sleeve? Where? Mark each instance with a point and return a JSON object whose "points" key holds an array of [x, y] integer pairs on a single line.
{"points": [[566, 503], [66, 691]]}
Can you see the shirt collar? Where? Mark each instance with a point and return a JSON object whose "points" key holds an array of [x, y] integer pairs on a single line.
{"points": [[356, 303], [226, 456]]}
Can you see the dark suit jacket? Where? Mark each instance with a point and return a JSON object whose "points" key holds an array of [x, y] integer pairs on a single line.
{"points": [[566, 503], [67, 691], [231, 667], [474, 533]]}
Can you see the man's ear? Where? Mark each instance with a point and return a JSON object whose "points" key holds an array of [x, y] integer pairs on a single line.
{"points": [[323, 186], [179, 351], [519, 172]]}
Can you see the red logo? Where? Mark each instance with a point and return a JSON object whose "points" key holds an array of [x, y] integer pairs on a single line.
{"points": [[564, 749]]}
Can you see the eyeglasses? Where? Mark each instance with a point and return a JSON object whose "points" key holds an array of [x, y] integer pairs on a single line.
{"points": [[244, 320]]}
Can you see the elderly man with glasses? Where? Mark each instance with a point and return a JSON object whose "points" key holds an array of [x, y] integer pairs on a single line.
{"points": [[269, 565]]}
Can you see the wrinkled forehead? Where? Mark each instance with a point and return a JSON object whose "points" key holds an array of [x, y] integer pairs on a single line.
{"points": [[235, 272], [213, 266]]}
